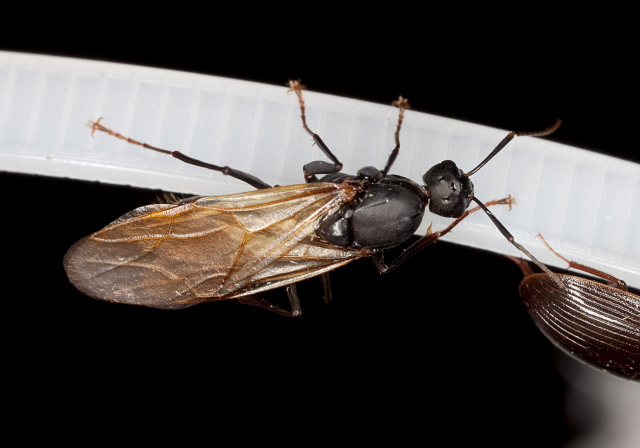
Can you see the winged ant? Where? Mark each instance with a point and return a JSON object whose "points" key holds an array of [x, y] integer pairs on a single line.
{"points": [[234, 247]]}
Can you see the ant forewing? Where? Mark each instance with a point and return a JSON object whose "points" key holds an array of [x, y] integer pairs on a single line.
{"points": [[236, 246], [597, 323]]}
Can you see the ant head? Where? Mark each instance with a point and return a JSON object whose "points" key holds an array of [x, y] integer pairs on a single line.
{"points": [[450, 190]]}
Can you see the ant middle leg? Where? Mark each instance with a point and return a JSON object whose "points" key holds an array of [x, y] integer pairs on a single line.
{"points": [[318, 167], [402, 104]]}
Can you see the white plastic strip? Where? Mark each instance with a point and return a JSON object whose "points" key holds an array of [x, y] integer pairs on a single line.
{"points": [[587, 205]]}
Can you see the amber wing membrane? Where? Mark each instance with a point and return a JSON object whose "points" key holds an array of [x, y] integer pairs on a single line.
{"points": [[210, 248], [596, 323]]}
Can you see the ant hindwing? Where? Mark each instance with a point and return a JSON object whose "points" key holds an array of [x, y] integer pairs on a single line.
{"points": [[234, 247]]}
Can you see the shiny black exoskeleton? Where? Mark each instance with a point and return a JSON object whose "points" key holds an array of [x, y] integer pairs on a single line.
{"points": [[450, 189], [387, 209], [391, 208], [394, 205]]}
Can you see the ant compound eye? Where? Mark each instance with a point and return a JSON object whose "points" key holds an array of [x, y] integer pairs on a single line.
{"points": [[449, 189]]}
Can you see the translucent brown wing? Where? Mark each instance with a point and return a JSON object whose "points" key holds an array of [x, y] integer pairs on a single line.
{"points": [[211, 248]]}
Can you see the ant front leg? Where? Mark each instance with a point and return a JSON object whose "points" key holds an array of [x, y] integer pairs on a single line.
{"points": [[318, 167], [430, 237]]}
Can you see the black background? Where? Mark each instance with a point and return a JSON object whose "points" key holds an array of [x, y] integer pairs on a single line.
{"points": [[440, 349]]}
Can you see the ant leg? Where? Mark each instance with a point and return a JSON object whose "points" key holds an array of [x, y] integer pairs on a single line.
{"points": [[402, 104], [326, 288], [318, 167], [610, 279], [237, 174], [378, 258], [512, 240], [292, 294]]}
